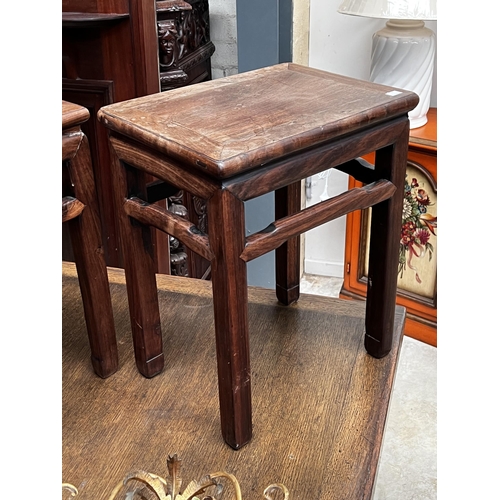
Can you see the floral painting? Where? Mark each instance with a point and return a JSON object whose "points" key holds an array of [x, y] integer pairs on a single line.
{"points": [[417, 264], [418, 224]]}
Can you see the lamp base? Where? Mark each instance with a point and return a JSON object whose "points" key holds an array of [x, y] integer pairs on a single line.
{"points": [[403, 57]]}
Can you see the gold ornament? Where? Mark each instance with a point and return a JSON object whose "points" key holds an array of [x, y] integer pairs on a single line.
{"points": [[170, 488]]}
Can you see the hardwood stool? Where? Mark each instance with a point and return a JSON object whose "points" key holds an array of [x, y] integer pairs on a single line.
{"points": [[231, 140], [80, 208]]}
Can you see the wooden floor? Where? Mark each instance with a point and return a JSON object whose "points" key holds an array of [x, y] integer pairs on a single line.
{"points": [[319, 401]]}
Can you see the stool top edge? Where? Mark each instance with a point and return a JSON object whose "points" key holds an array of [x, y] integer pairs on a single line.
{"points": [[73, 114]]}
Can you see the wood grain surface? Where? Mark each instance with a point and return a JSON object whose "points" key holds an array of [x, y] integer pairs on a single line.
{"points": [[229, 125], [289, 226], [73, 114], [320, 401]]}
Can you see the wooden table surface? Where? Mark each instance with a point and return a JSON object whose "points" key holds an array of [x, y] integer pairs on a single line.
{"points": [[230, 125], [320, 402]]}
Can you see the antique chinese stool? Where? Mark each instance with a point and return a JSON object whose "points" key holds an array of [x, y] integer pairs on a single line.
{"points": [[233, 139], [80, 209]]}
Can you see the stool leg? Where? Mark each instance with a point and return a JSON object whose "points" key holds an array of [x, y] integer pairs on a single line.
{"points": [[287, 201], [385, 234], [86, 239], [138, 259], [230, 297]]}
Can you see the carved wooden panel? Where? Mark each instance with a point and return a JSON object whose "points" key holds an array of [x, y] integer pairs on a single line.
{"points": [[184, 42], [184, 51], [178, 255]]}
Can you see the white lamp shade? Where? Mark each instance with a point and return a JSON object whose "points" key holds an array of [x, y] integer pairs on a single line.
{"points": [[422, 10], [403, 57], [403, 52]]}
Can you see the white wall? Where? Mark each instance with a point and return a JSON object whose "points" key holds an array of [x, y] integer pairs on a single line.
{"points": [[340, 44]]}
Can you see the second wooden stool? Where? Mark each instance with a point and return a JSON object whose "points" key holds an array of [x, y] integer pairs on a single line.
{"points": [[80, 209]]}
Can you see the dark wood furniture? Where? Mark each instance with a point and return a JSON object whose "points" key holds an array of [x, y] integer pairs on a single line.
{"points": [[417, 281], [184, 42], [113, 51], [109, 54], [81, 212], [255, 133], [185, 50], [319, 414]]}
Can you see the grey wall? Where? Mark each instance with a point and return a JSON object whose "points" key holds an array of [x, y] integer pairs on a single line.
{"points": [[264, 38], [224, 61]]}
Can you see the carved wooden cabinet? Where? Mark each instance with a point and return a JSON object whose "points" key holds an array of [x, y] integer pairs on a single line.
{"points": [[417, 282], [184, 42], [115, 50]]}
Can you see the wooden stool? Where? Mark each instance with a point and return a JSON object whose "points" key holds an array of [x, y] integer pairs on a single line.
{"points": [[80, 208], [231, 140]]}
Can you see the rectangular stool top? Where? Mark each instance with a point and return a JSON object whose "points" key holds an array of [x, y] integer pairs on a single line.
{"points": [[73, 114], [230, 125]]}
